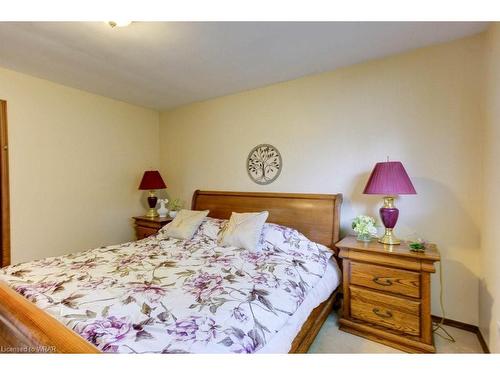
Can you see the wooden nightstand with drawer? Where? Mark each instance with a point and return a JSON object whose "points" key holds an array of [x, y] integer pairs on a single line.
{"points": [[387, 291], [146, 226]]}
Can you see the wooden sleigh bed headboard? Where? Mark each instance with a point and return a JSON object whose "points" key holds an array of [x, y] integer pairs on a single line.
{"points": [[317, 216], [23, 325]]}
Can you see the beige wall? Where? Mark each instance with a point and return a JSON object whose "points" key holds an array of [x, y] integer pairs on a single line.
{"points": [[423, 108], [75, 163], [489, 292]]}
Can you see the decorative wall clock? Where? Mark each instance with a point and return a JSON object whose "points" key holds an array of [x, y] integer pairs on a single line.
{"points": [[264, 164]]}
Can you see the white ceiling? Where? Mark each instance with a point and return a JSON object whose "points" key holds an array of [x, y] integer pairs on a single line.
{"points": [[166, 64]]}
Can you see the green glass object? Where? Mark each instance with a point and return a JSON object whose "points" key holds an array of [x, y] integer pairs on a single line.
{"points": [[364, 237]]}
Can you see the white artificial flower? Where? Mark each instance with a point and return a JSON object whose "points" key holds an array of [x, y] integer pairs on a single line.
{"points": [[363, 224]]}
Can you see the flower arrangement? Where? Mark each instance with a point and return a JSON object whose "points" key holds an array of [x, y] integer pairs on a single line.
{"points": [[364, 227], [175, 204]]}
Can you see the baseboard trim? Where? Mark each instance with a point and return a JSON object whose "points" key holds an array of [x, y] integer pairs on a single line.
{"points": [[465, 327], [456, 324], [482, 341]]}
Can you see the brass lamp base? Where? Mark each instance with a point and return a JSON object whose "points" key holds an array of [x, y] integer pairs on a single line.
{"points": [[389, 238], [152, 213]]}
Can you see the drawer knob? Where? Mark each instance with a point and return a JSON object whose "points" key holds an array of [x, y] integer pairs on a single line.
{"points": [[385, 315], [385, 282]]}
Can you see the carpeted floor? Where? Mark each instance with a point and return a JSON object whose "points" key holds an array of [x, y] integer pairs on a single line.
{"points": [[331, 340]]}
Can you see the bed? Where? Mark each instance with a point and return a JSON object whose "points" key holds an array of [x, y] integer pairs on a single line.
{"points": [[130, 298]]}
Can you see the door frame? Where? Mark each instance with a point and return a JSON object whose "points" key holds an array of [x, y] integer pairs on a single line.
{"points": [[4, 178]]}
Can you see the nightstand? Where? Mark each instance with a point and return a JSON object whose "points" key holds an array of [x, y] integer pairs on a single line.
{"points": [[146, 226], [387, 293]]}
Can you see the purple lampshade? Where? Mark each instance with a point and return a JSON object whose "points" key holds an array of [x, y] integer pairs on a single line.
{"points": [[151, 181], [389, 178]]}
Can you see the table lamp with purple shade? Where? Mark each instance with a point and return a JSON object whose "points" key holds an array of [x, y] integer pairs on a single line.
{"points": [[151, 180], [389, 179]]}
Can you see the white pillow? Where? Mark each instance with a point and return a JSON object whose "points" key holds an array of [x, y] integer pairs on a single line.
{"points": [[244, 230], [184, 225], [210, 228]]}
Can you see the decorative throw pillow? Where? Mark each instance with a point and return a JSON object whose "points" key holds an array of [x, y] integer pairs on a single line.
{"points": [[210, 228], [244, 230], [184, 225]]}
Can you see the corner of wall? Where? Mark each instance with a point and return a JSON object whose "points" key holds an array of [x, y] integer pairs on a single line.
{"points": [[489, 286]]}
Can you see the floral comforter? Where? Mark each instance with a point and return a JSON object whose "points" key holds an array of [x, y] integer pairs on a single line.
{"points": [[162, 295]]}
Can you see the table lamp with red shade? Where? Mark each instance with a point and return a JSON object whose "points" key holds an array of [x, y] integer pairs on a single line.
{"points": [[152, 181], [389, 179]]}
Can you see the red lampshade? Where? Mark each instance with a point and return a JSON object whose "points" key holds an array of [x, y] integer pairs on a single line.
{"points": [[389, 178], [151, 181]]}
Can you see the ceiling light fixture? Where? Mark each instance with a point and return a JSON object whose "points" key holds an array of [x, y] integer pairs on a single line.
{"points": [[114, 24]]}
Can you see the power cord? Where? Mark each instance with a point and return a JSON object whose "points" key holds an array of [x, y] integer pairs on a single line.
{"points": [[439, 325]]}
